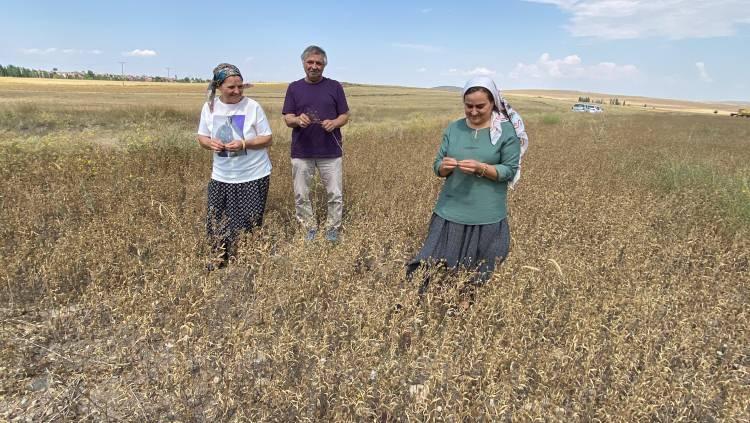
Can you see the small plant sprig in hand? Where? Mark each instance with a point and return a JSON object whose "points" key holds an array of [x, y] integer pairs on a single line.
{"points": [[311, 118], [469, 167]]}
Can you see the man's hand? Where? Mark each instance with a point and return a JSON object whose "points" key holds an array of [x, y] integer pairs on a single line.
{"points": [[303, 121], [328, 125]]}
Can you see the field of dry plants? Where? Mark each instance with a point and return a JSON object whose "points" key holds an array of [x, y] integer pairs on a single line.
{"points": [[625, 296]]}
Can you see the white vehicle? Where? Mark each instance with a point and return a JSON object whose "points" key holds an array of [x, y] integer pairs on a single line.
{"points": [[587, 108], [578, 107]]}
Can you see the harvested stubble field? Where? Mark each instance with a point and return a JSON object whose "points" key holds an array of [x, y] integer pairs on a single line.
{"points": [[625, 296]]}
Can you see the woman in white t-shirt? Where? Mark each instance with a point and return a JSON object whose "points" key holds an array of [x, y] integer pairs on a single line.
{"points": [[235, 129]]}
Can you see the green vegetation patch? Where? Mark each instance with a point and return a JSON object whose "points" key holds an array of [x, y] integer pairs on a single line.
{"points": [[551, 119], [729, 193], [32, 119]]}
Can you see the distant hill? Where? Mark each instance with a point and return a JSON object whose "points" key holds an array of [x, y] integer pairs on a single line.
{"points": [[447, 88], [658, 104]]}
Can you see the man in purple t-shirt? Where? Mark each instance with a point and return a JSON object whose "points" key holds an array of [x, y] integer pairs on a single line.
{"points": [[315, 107]]}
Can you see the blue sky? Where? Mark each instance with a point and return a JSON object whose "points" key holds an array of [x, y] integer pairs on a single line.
{"points": [[662, 48]]}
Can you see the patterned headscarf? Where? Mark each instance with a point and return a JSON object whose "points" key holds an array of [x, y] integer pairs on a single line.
{"points": [[501, 113], [221, 72]]}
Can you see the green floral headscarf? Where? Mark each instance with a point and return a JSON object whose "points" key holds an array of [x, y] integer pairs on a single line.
{"points": [[221, 72]]}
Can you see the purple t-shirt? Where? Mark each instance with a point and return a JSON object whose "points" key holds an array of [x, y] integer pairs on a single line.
{"points": [[321, 101]]}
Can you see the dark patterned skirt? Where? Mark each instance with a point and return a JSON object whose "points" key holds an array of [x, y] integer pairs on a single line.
{"points": [[233, 208], [454, 246]]}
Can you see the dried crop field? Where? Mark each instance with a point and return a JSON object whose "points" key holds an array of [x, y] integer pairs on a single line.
{"points": [[625, 296]]}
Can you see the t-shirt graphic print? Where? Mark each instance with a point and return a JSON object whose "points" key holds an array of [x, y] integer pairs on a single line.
{"points": [[228, 129]]}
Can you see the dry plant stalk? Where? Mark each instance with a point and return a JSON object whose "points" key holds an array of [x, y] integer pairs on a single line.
{"points": [[624, 297]]}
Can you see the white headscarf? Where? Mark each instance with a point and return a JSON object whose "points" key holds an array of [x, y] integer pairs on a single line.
{"points": [[501, 113]]}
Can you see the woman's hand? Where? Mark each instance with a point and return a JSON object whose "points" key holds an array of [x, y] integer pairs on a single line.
{"points": [[470, 166], [447, 165], [235, 145], [211, 144]]}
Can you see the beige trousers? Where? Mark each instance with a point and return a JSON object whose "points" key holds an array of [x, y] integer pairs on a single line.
{"points": [[330, 171]]}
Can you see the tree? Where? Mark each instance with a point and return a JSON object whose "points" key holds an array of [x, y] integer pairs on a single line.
{"points": [[13, 71], [19, 71]]}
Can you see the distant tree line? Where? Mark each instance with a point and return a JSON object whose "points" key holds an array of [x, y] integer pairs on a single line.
{"points": [[612, 101], [21, 72], [589, 100]]}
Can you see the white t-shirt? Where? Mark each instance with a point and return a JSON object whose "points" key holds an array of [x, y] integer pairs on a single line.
{"points": [[242, 121]]}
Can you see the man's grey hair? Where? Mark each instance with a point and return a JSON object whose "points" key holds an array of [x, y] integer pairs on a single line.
{"points": [[315, 50]]}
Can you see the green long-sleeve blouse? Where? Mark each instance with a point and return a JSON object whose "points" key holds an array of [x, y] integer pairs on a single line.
{"points": [[467, 199]]}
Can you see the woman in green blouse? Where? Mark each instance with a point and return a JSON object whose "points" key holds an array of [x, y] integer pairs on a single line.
{"points": [[479, 157]]}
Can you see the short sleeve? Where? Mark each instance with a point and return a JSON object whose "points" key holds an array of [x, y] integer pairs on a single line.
{"points": [[341, 105], [261, 125], [203, 128], [290, 106]]}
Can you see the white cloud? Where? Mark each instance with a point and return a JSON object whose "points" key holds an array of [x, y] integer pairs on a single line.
{"points": [[477, 71], [38, 50], [420, 47], [570, 67], [481, 70], [249, 59], [51, 50], [427, 10], [674, 19], [705, 77], [140, 53], [422, 70]]}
